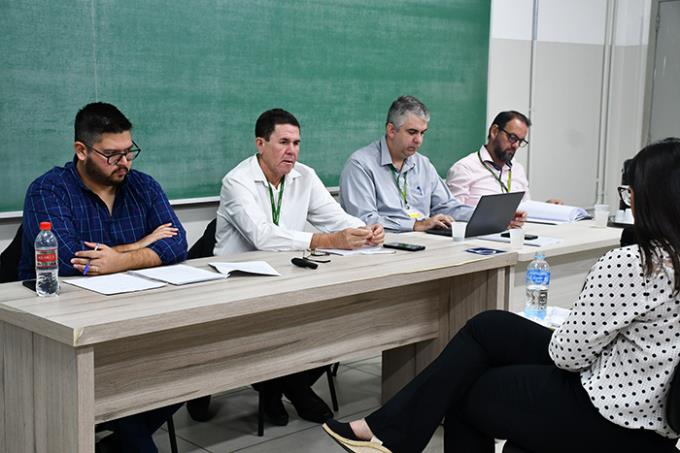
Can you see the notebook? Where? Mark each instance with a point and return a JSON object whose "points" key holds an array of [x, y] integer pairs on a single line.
{"points": [[492, 215]]}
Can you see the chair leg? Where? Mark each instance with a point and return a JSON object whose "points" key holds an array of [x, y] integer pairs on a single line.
{"points": [[171, 433], [335, 367], [331, 387], [260, 414]]}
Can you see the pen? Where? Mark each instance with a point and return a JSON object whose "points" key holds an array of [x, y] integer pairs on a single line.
{"points": [[87, 266]]}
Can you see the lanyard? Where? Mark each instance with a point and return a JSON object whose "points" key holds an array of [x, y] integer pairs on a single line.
{"points": [[497, 177], [402, 190], [276, 210]]}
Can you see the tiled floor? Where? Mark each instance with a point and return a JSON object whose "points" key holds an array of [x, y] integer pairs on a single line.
{"points": [[234, 429]]}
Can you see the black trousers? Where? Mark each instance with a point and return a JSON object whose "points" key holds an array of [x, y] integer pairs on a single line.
{"points": [[495, 379], [134, 433], [291, 384]]}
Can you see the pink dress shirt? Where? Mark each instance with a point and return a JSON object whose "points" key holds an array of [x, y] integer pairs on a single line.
{"points": [[468, 179]]}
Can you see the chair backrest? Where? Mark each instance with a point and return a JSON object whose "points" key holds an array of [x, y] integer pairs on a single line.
{"points": [[9, 259], [206, 243], [673, 402]]}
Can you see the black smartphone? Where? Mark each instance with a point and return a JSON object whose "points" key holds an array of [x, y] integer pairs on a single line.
{"points": [[30, 284], [403, 246], [528, 237]]}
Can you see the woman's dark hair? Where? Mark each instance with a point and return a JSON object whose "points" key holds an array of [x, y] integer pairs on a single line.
{"points": [[654, 176]]}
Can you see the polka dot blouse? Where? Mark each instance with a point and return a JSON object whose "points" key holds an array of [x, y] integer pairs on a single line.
{"points": [[623, 336]]}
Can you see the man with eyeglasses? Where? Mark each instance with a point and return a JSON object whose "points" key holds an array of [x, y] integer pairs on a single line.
{"points": [[107, 218], [491, 170]]}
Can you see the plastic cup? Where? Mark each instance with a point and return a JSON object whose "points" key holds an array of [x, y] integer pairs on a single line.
{"points": [[516, 238], [601, 215], [458, 231]]}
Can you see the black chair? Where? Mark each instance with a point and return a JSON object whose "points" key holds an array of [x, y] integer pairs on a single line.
{"points": [[199, 408], [9, 272], [9, 259]]}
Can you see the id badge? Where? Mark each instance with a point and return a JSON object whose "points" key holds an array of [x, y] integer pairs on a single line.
{"points": [[415, 214]]}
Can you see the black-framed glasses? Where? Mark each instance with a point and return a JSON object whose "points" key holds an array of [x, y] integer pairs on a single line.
{"points": [[312, 255], [624, 194], [512, 138], [113, 157]]}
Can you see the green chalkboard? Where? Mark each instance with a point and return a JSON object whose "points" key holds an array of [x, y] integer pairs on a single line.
{"points": [[193, 76]]}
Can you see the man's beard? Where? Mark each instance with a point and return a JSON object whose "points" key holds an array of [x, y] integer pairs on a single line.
{"points": [[98, 176], [504, 156]]}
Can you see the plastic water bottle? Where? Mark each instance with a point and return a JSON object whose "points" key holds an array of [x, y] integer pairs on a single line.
{"points": [[46, 262], [537, 282]]}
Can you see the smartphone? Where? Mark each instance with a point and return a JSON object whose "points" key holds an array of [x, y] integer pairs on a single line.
{"points": [[30, 284], [403, 246], [528, 237], [485, 251]]}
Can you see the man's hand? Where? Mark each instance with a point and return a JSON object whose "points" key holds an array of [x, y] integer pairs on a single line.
{"points": [[377, 234], [102, 259], [352, 238], [518, 220], [436, 221]]}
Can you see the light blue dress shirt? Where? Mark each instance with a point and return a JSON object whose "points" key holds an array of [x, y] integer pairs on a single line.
{"points": [[369, 190]]}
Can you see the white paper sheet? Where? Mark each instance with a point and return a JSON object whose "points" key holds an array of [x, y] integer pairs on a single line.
{"points": [[378, 250], [178, 274], [540, 241], [540, 212], [251, 267], [114, 283]]}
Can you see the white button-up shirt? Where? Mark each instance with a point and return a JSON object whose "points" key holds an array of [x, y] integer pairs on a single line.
{"points": [[244, 217], [468, 179]]}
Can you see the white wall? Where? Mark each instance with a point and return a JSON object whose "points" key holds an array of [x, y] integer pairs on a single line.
{"points": [[577, 69]]}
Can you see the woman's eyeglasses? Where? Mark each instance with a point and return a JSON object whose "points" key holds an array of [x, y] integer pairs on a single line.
{"points": [[624, 194]]}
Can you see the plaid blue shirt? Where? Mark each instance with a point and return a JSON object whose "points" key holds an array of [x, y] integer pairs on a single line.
{"points": [[77, 215]]}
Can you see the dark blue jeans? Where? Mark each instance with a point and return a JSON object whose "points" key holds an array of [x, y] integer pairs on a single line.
{"points": [[134, 433]]}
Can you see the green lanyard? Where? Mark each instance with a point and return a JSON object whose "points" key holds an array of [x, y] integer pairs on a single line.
{"points": [[504, 188], [402, 190], [276, 210]]}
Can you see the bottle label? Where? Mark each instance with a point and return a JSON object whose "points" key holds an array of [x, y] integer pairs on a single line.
{"points": [[46, 259], [538, 277]]}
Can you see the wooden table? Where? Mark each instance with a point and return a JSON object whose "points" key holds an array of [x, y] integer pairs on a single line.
{"points": [[83, 358]]}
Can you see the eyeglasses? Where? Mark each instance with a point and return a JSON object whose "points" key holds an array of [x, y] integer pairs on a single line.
{"points": [[624, 194], [113, 157], [306, 255], [512, 138]]}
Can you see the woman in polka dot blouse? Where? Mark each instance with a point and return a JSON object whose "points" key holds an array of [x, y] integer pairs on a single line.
{"points": [[598, 384]]}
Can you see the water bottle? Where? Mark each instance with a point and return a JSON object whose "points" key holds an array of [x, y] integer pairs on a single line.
{"points": [[46, 262], [537, 282]]}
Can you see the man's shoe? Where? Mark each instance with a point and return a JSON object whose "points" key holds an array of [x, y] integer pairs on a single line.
{"points": [[199, 409], [344, 436], [274, 411], [310, 406]]}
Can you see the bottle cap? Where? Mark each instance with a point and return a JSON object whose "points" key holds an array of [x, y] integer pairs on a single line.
{"points": [[45, 226]]}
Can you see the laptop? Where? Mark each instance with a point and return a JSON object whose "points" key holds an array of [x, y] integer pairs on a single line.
{"points": [[492, 215]]}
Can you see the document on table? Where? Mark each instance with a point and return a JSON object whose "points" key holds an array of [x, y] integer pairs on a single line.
{"points": [[114, 283], [540, 241], [554, 317], [378, 250], [554, 214], [249, 267], [178, 274]]}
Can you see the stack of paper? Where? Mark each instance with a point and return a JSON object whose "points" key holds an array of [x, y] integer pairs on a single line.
{"points": [[378, 250], [114, 283], [541, 241], [540, 212], [179, 274], [250, 267]]}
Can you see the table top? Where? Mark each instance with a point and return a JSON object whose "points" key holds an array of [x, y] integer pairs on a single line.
{"points": [[79, 317]]}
